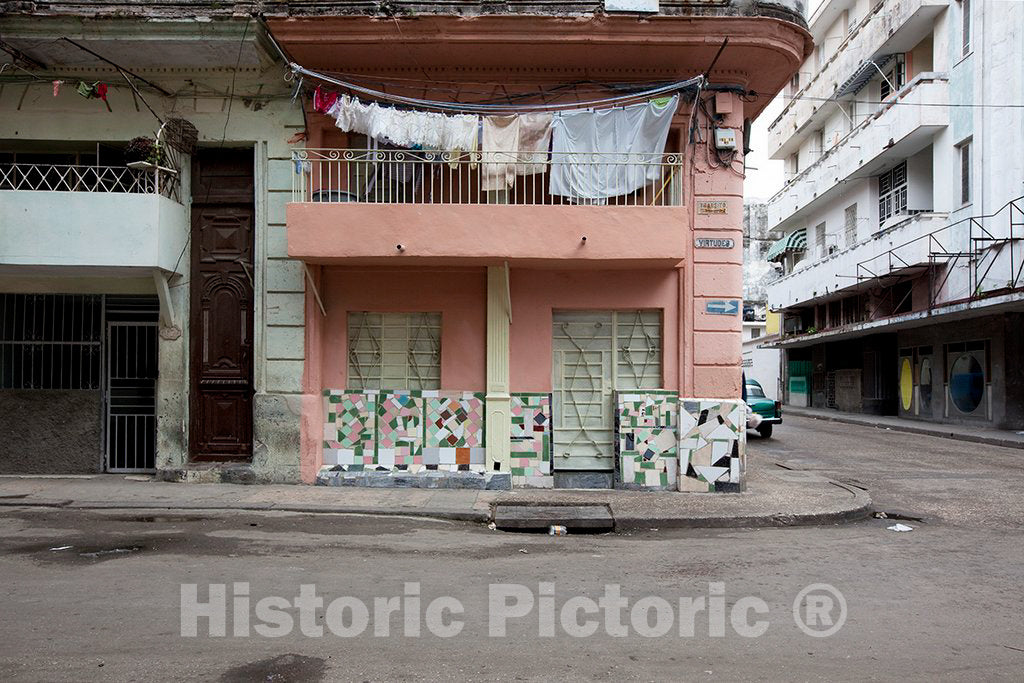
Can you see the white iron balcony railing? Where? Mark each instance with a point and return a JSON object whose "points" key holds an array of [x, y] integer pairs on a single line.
{"points": [[436, 177], [65, 178]]}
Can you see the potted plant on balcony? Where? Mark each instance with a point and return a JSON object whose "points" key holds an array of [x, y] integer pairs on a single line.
{"points": [[143, 154]]}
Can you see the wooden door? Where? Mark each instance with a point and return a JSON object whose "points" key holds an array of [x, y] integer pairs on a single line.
{"points": [[221, 350]]}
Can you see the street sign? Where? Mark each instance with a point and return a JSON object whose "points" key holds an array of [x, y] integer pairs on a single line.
{"points": [[722, 307], [712, 208], [714, 242]]}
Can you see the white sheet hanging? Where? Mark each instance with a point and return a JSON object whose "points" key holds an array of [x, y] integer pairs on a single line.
{"points": [[608, 153]]}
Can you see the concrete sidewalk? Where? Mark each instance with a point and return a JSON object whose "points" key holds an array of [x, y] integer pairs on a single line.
{"points": [[775, 497], [992, 437]]}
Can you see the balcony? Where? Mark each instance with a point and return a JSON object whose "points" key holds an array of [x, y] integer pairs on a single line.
{"points": [[92, 217], [895, 131], [890, 26], [899, 248], [421, 207]]}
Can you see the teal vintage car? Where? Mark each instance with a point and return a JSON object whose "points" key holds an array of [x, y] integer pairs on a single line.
{"points": [[770, 411]]}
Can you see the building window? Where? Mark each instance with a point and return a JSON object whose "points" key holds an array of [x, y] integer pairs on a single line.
{"points": [[965, 27], [850, 224], [892, 193], [965, 172], [819, 239], [894, 78], [50, 341], [394, 351], [755, 332]]}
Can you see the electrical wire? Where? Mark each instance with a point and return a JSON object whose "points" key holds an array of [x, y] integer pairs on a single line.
{"points": [[487, 108]]}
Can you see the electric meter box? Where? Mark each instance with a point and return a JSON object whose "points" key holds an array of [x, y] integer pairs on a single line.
{"points": [[725, 139]]}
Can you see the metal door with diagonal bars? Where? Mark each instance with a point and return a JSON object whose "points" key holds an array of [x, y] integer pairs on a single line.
{"points": [[131, 396], [597, 353]]}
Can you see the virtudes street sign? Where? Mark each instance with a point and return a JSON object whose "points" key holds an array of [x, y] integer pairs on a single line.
{"points": [[714, 243]]}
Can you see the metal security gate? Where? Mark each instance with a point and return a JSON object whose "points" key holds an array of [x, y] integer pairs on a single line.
{"points": [[130, 394], [597, 353]]}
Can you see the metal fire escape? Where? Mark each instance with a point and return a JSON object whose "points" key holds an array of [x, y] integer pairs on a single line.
{"points": [[974, 244]]}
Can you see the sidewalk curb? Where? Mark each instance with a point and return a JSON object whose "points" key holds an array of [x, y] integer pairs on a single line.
{"points": [[450, 515], [909, 428], [859, 509]]}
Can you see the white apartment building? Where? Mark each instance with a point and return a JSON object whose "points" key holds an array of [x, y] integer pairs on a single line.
{"points": [[902, 214]]}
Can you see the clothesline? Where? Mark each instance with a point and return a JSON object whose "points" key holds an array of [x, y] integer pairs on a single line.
{"points": [[462, 107]]}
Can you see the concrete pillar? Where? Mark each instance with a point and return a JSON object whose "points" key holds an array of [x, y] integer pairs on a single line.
{"points": [[498, 408]]}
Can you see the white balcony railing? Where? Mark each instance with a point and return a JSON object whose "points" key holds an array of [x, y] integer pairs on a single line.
{"points": [[887, 23], [437, 177], [848, 268], [66, 178], [898, 128]]}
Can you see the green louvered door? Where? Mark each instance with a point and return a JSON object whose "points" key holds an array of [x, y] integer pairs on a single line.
{"points": [[597, 353]]}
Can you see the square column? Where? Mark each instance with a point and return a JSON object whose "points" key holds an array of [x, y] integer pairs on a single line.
{"points": [[498, 400]]}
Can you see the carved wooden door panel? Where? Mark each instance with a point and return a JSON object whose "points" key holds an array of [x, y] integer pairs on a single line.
{"points": [[221, 319]]}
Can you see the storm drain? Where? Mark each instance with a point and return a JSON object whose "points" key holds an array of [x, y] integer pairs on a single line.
{"points": [[519, 517]]}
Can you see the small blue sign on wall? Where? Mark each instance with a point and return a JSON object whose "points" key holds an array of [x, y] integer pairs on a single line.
{"points": [[722, 307]]}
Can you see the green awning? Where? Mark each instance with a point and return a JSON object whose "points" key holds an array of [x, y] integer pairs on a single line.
{"points": [[794, 241]]}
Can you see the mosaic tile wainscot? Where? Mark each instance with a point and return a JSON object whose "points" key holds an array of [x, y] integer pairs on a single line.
{"points": [[647, 442], [712, 445], [422, 431], [410, 431]]}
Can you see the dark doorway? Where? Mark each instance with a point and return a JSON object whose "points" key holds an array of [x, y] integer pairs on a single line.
{"points": [[221, 305]]}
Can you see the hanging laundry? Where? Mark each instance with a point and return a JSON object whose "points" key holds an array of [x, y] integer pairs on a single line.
{"points": [[406, 127], [323, 100], [534, 141], [513, 145], [92, 91], [608, 153]]}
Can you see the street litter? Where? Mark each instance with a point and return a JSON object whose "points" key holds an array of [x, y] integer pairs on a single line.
{"points": [[62, 547], [523, 550], [900, 527], [112, 551], [492, 526], [557, 530], [881, 515]]}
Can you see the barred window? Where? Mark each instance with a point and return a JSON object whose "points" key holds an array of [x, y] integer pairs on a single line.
{"points": [[394, 350], [50, 341]]}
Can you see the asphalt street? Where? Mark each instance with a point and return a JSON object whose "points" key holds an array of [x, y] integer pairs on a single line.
{"points": [[98, 595]]}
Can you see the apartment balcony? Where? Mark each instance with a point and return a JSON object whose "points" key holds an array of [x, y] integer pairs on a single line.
{"points": [[409, 207], [891, 26], [895, 131], [903, 246], [110, 220]]}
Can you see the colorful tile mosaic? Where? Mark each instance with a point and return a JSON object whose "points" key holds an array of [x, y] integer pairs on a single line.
{"points": [[530, 434], [712, 445], [410, 431], [647, 440], [350, 429], [399, 429], [455, 421]]}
